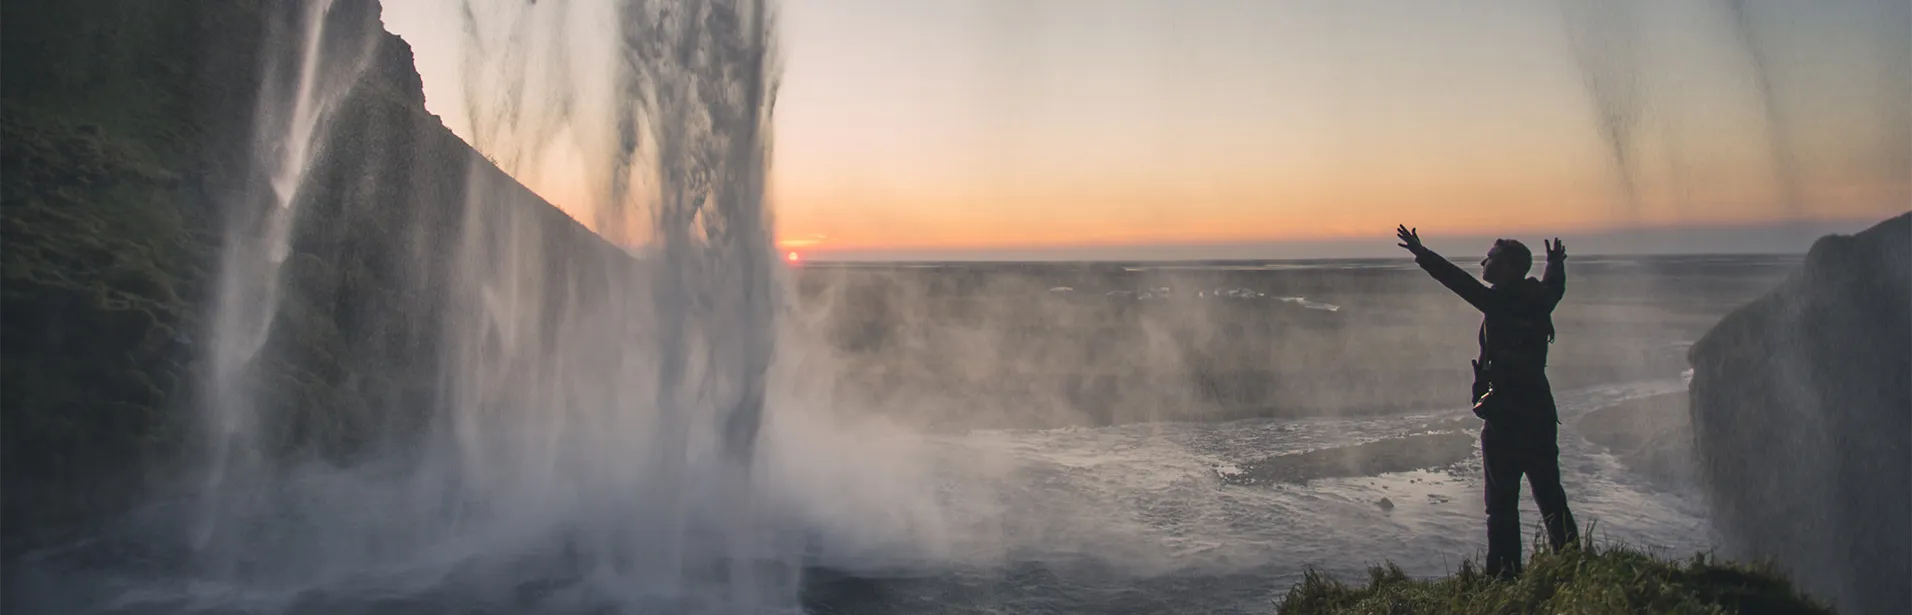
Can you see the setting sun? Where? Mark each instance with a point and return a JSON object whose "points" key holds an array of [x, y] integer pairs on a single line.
{"points": [[793, 257]]}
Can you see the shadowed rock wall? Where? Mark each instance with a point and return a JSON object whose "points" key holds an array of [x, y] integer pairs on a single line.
{"points": [[1802, 416]]}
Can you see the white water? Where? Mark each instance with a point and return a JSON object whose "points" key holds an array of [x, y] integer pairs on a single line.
{"points": [[622, 409], [295, 101], [609, 410]]}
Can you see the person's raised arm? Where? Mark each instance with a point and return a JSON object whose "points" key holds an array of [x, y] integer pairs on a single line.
{"points": [[1556, 276], [1444, 271]]}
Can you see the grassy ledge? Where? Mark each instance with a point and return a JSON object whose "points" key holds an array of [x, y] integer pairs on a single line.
{"points": [[1594, 580]]}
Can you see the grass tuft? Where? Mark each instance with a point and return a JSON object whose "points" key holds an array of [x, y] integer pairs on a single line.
{"points": [[1590, 580]]}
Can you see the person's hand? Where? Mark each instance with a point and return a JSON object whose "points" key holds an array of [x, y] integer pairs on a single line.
{"points": [[1410, 239], [1556, 250]]}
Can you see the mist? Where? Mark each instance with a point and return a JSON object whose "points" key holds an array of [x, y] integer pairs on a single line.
{"points": [[429, 388]]}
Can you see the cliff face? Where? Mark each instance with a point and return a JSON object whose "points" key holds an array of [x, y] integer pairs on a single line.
{"points": [[127, 132], [1802, 416]]}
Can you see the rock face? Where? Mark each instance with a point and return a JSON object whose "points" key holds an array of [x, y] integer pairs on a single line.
{"points": [[1802, 418], [127, 130]]}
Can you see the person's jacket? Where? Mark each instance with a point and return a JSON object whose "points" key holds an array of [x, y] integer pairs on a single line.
{"points": [[1517, 322]]}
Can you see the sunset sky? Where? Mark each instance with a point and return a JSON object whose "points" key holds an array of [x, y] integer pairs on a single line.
{"points": [[998, 124]]}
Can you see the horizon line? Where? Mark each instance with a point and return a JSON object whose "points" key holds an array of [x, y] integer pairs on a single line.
{"points": [[1322, 259], [1785, 237]]}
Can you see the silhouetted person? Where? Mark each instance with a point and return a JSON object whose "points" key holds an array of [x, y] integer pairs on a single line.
{"points": [[1510, 387]]}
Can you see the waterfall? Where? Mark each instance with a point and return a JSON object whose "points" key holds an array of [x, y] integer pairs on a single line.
{"points": [[597, 413], [296, 99]]}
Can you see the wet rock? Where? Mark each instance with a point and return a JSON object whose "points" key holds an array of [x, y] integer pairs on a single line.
{"points": [[1385, 504], [1802, 420]]}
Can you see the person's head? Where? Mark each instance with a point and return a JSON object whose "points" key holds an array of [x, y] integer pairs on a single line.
{"points": [[1507, 262]]}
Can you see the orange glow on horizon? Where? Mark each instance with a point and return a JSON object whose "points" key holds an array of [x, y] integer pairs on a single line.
{"points": [[935, 126], [939, 220]]}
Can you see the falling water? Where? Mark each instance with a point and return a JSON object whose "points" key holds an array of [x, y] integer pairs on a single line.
{"points": [[1778, 128], [598, 414], [1604, 37], [1612, 51], [1745, 417], [295, 100]]}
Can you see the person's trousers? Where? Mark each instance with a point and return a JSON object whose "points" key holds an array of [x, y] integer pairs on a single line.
{"points": [[1507, 454]]}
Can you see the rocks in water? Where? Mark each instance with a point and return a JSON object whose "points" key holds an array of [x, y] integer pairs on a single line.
{"points": [[1802, 419], [1385, 504]]}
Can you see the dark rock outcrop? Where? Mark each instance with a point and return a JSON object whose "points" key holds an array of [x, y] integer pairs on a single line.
{"points": [[1802, 418], [127, 132]]}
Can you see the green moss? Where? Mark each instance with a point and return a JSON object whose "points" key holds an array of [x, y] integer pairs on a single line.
{"points": [[107, 144], [1591, 581]]}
